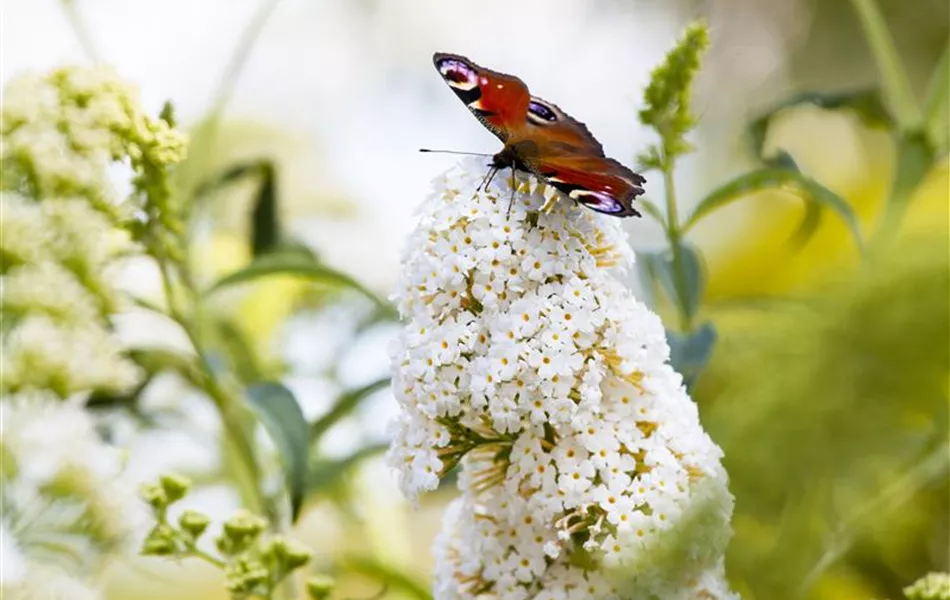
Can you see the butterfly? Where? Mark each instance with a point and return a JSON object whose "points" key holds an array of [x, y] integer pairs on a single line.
{"points": [[541, 139]]}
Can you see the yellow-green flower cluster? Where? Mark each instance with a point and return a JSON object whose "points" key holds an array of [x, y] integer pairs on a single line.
{"points": [[666, 99], [65, 136]]}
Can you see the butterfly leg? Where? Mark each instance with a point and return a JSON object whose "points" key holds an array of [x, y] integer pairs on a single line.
{"points": [[512, 200], [487, 179]]}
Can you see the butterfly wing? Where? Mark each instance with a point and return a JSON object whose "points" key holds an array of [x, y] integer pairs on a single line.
{"points": [[563, 152], [601, 184], [498, 100]]}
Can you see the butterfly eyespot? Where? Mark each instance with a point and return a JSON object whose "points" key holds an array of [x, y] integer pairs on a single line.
{"points": [[541, 114], [458, 74]]}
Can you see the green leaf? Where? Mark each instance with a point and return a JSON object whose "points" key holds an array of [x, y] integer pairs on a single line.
{"points": [[687, 292], [344, 405], [242, 356], [652, 210], [265, 225], [898, 95], [156, 360], [325, 474], [772, 178], [866, 104], [278, 410], [264, 218], [296, 263], [168, 114], [659, 267], [914, 159], [252, 168], [647, 272], [396, 580], [690, 352], [807, 227], [937, 102]]}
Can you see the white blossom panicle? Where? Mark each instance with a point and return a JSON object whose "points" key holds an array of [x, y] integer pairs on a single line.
{"points": [[66, 506], [525, 362], [62, 226]]}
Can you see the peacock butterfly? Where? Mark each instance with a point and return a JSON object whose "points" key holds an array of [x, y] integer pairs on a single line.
{"points": [[540, 138]]}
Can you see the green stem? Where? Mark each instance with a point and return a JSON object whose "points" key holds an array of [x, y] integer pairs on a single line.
{"points": [[79, 28], [673, 235], [895, 495], [196, 552], [894, 81], [229, 407]]}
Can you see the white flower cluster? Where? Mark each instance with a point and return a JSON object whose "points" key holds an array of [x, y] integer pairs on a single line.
{"points": [[65, 506], [61, 132], [526, 362], [61, 229]]}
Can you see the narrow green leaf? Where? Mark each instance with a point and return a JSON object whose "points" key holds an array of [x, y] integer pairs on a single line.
{"points": [[168, 114], [772, 178], [652, 210], [647, 272], [397, 580], [865, 103], [156, 360], [242, 356], [914, 159], [937, 102], [238, 171], [688, 291], [807, 227], [325, 474], [781, 160], [300, 265], [343, 406], [278, 410], [895, 84], [265, 223], [659, 268], [690, 352]]}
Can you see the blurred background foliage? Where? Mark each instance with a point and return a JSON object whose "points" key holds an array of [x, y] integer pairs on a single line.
{"points": [[828, 383]]}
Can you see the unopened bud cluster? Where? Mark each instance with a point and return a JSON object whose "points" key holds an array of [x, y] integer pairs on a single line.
{"points": [[254, 563], [528, 364]]}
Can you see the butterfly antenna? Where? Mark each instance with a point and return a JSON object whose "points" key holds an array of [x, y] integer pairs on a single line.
{"points": [[453, 152]]}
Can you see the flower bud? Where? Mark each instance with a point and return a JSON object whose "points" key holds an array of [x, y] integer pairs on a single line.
{"points": [[240, 531], [155, 496], [291, 554], [244, 576], [175, 487], [193, 522], [161, 541], [320, 586]]}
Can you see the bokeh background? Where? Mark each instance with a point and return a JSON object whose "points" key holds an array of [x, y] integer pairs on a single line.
{"points": [[828, 387]]}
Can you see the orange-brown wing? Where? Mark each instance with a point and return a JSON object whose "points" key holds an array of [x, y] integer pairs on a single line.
{"points": [[558, 130], [563, 152], [601, 184], [499, 101]]}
